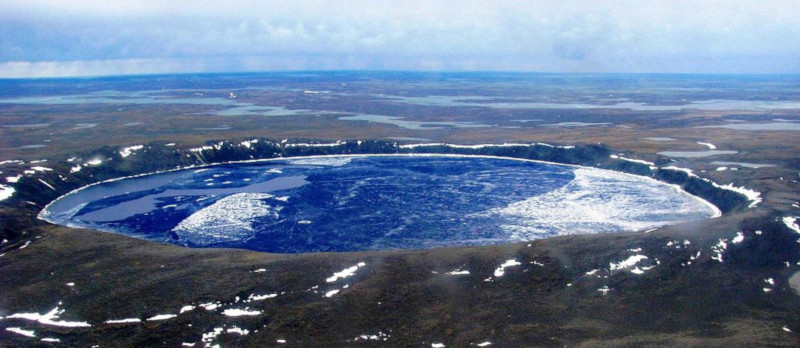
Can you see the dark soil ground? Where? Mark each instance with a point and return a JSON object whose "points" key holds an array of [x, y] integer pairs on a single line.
{"points": [[566, 291]]}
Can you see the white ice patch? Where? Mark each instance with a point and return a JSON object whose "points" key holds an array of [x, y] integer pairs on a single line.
{"points": [[229, 219], [21, 331], [718, 249], [647, 163], [201, 149], [50, 340], [627, 263], [185, 309], [254, 297], [237, 330], [162, 317], [500, 271], [248, 143], [379, 337], [604, 290], [95, 162], [233, 312], [753, 196], [12, 162], [484, 344], [791, 223], [323, 161], [688, 171], [474, 147], [331, 293], [598, 201], [209, 306], [710, 145], [41, 169], [49, 318], [123, 321], [458, 272], [6, 192], [347, 272], [437, 345], [738, 239], [13, 179], [75, 169], [127, 151], [208, 337], [45, 183]]}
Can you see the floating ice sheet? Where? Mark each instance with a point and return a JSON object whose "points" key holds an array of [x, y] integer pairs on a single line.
{"points": [[229, 219], [599, 201]]}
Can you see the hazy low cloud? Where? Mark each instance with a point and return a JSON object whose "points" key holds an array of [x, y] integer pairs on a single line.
{"points": [[110, 37]]}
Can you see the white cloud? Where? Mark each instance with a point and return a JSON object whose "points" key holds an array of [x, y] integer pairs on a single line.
{"points": [[65, 38]]}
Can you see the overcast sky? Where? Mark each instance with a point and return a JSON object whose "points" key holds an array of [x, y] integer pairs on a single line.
{"points": [[109, 37]]}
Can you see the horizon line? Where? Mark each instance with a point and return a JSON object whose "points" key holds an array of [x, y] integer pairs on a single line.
{"points": [[399, 71]]}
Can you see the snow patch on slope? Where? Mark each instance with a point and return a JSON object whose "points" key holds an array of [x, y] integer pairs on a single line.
{"points": [[753, 196], [346, 273], [791, 223], [647, 163], [21, 331], [627, 263], [49, 318], [501, 270], [6, 192], [127, 151], [709, 145]]}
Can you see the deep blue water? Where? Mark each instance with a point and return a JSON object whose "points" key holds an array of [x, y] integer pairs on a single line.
{"points": [[350, 203]]}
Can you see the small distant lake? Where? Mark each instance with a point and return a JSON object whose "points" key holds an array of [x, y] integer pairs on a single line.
{"points": [[351, 203], [416, 125], [489, 102], [696, 154], [743, 164], [766, 126], [577, 124]]}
